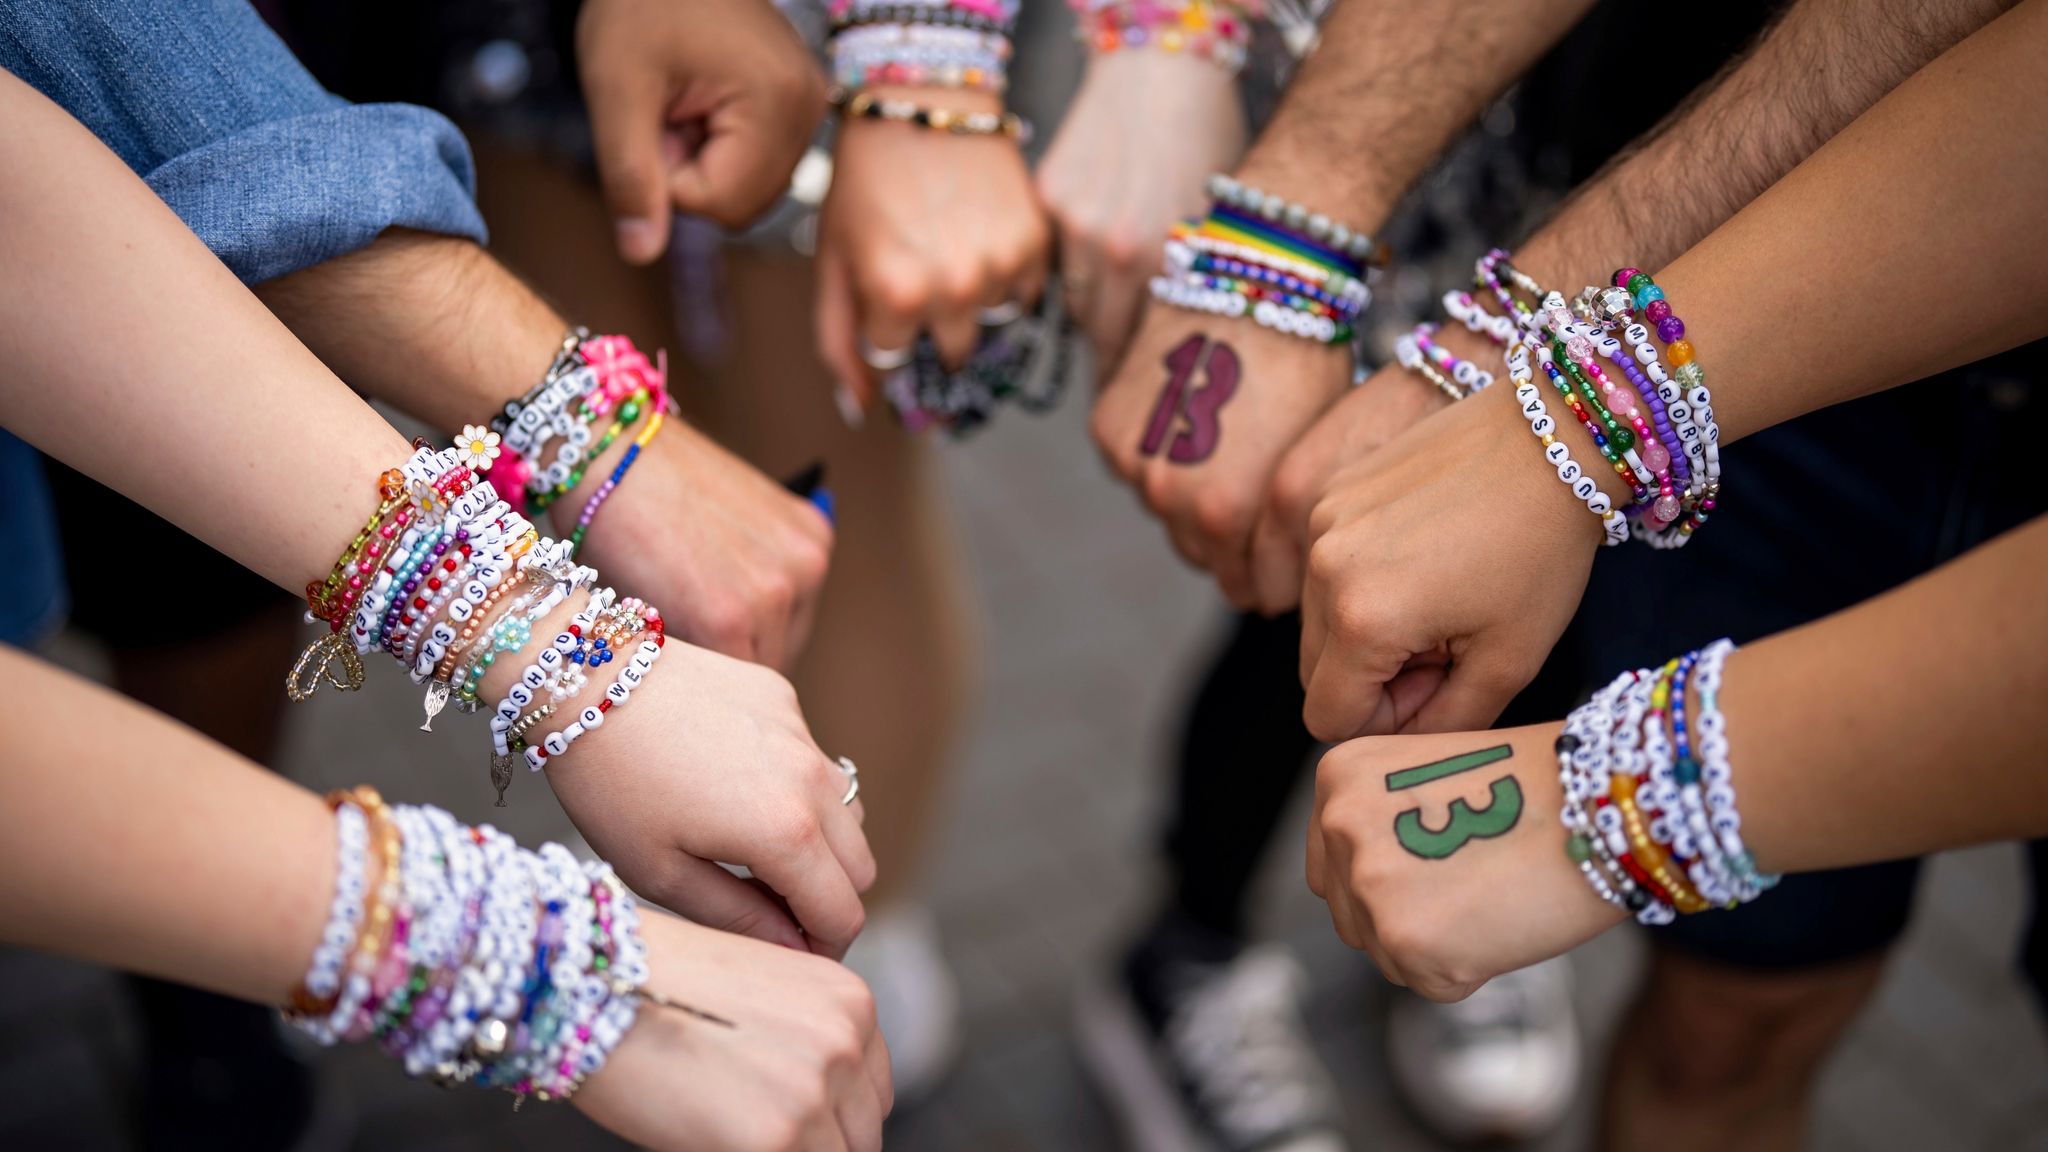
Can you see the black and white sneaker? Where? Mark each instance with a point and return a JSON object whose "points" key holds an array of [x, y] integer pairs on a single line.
{"points": [[1208, 1053]]}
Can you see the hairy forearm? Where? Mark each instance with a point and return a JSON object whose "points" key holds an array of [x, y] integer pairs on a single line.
{"points": [[1391, 86], [1818, 67], [1908, 244], [136, 357], [1907, 724], [129, 840], [429, 324]]}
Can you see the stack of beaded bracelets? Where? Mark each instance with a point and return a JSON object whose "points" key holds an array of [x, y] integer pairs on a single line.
{"points": [[1649, 811], [591, 377], [448, 579], [1291, 269], [1218, 31], [935, 43], [1653, 435], [471, 960]]}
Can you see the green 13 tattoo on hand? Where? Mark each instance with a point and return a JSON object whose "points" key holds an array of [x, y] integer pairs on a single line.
{"points": [[1467, 823]]}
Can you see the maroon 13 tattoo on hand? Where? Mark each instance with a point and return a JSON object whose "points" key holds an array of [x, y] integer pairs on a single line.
{"points": [[1200, 406]]}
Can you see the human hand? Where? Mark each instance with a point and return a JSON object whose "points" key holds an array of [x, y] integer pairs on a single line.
{"points": [[735, 559], [713, 762], [1363, 421], [1162, 423], [802, 1068], [1442, 857], [698, 106], [1441, 570], [921, 231], [1143, 132]]}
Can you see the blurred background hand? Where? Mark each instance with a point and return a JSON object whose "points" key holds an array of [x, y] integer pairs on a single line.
{"points": [[697, 106], [1144, 131]]}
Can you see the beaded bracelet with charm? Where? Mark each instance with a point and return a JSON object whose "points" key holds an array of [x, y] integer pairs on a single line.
{"points": [[537, 675]]}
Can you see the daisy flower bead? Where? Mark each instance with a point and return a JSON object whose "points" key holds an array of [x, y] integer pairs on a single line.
{"points": [[478, 446]]}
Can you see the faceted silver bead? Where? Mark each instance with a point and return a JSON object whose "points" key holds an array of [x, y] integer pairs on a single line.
{"points": [[1296, 217], [1319, 226]]}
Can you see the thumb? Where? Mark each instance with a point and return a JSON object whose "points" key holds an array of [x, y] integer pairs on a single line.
{"points": [[627, 122], [735, 175]]}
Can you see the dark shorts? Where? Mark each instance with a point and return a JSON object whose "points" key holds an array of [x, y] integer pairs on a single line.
{"points": [[1819, 514]]}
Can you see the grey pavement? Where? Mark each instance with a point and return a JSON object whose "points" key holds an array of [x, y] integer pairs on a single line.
{"points": [[1090, 632]]}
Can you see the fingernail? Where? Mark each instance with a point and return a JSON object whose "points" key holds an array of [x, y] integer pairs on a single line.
{"points": [[849, 406], [637, 241]]}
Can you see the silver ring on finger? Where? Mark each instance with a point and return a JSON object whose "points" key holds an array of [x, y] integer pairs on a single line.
{"points": [[1002, 314], [883, 359], [847, 768]]}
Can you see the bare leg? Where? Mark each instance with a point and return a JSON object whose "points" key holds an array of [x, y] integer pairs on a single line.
{"points": [[1712, 1057], [886, 675]]}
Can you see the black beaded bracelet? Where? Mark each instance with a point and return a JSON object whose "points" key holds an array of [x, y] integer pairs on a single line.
{"points": [[867, 106]]}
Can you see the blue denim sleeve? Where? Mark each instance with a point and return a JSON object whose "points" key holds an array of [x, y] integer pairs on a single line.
{"points": [[204, 102]]}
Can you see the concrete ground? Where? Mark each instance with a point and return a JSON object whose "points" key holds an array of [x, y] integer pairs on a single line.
{"points": [[1045, 865]]}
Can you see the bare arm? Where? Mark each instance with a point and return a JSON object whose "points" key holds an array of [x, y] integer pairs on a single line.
{"points": [[1872, 264], [1908, 724], [1819, 66], [135, 356], [1387, 91], [1815, 69]]}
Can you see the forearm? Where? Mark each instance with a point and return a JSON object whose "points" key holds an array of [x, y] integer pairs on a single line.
{"points": [[1907, 724], [1388, 90], [1907, 245], [1813, 71], [135, 356], [134, 842], [429, 324]]}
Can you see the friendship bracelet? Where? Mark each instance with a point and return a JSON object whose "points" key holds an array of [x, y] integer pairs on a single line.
{"points": [[867, 106], [1243, 203], [1544, 428]]}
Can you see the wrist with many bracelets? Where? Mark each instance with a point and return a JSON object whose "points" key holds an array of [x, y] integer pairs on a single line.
{"points": [[448, 577], [472, 960], [1654, 429], [1218, 31], [962, 44], [1649, 807], [1289, 268]]}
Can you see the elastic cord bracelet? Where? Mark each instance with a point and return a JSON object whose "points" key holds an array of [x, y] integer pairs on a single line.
{"points": [[611, 482], [1544, 428], [867, 106]]}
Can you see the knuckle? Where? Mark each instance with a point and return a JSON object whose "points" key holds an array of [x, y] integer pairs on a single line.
{"points": [[792, 829], [1161, 487], [899, 288], [1219, 512], [1120, 250]]}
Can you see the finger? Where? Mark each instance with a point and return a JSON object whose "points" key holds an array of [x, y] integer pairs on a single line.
{"points": [[953, 316], [1115, 316], [627, 121], [1230, 559], [807, 874], [842, 827], [1276, 565], [715, 898], [879, 1071], [838, 336], [1470, 698], [824, 1135], [859, 1109], [736, 175], [892, 300], [1317, 855], [1080, 272], [1346, 692]]}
